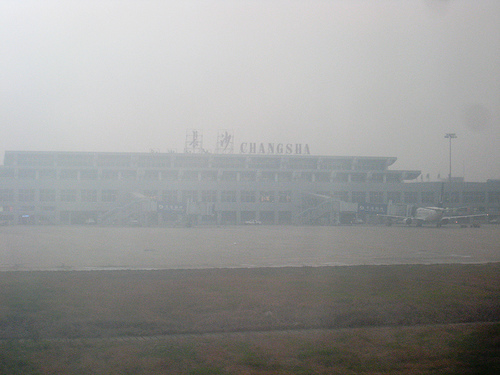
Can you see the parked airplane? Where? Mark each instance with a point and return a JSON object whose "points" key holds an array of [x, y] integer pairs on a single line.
{"points": [[432, 215]]}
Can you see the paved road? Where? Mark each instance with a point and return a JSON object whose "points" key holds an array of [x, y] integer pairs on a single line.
{"points": [[89, 248]]}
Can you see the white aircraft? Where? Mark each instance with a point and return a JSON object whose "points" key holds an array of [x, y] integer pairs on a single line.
{"points": [[432, 215]]}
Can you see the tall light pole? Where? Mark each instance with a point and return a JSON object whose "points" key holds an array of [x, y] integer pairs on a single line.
{"points": [[450, 136]]}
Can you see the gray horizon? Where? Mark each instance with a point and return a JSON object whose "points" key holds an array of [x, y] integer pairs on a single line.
{"points": [[347, 78]]}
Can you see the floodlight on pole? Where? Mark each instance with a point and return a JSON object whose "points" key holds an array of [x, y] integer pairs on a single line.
{"points": [[450, 136]]}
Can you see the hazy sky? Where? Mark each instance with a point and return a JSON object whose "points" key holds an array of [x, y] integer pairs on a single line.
{"points": [[372, 78]]}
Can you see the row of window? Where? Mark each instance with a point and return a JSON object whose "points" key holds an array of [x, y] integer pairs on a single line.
{"points": [[187, 175], [427, 197], [413, 197], [226, 196], [188, 161], [111, 195], [280, 217], [50, 195], [245, 196]]}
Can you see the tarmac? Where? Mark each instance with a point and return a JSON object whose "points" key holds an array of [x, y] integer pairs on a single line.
{"points": [[44, 248]]}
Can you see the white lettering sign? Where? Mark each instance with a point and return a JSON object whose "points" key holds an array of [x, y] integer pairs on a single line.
{"points": [[274, 148]]}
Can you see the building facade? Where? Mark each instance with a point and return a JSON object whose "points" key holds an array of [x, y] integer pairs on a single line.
{"points": [[173, 188]]}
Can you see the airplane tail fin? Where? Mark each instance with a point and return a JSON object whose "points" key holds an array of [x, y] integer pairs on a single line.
{"points": [[441, 196]]}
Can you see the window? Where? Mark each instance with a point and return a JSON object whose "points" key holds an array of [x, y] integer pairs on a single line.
{"points": [[109, 195], [377, 177], [129, 175], [410, 196], [209, 176], [153, 194], [109, 174], [474, 197], [88, 174], [7, 173], [190, 176], [209, 196], [427, 197], [190, 196], [248, 196], [27, 208], [340, 177], [228, 196], [113, 160], [370, 165], [394, 196], [26, 195], [28, 174], [154, 160], [170, 175], [284, 217], [266, 217], [376, 197], [336, 164], [393, 177], [47, 174], [303, 176], [228, 176], [89, 195], [494, 197], [68, 174], [268, 176], [322, 177], [47, 195], [151, 175], [359, 196], [451, 197], [303, 163], [285, 196], [358, 177], [285, 176], [266, 196], [30, 158], [248, 215], [263, 162], [341, 195], [191, 161], [75, 160], [230, 161], [228, 217], [169, 196], [68, 195], [247, 176], [6, 195]]}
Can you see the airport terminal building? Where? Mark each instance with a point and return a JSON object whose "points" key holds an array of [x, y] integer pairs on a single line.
{"points": [[217, 189]]}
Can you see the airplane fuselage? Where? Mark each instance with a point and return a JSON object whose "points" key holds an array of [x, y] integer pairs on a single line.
{"points": [[429, 214], [433, 215]]}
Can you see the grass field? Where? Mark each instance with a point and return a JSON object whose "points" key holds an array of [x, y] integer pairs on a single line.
{"points": [[414, 319], [450, 349]]}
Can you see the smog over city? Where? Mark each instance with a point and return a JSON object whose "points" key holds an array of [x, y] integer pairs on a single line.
{"points": [[346, 77], [249, 187]]}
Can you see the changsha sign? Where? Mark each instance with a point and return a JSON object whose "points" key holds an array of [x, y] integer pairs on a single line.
{"points": [[275, 148]]}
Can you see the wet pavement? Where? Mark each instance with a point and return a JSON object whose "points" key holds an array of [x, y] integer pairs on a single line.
{"points": [[24, 248]]}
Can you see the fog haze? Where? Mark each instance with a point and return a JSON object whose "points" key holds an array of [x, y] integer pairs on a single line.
{"points": [[384, 78]]}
